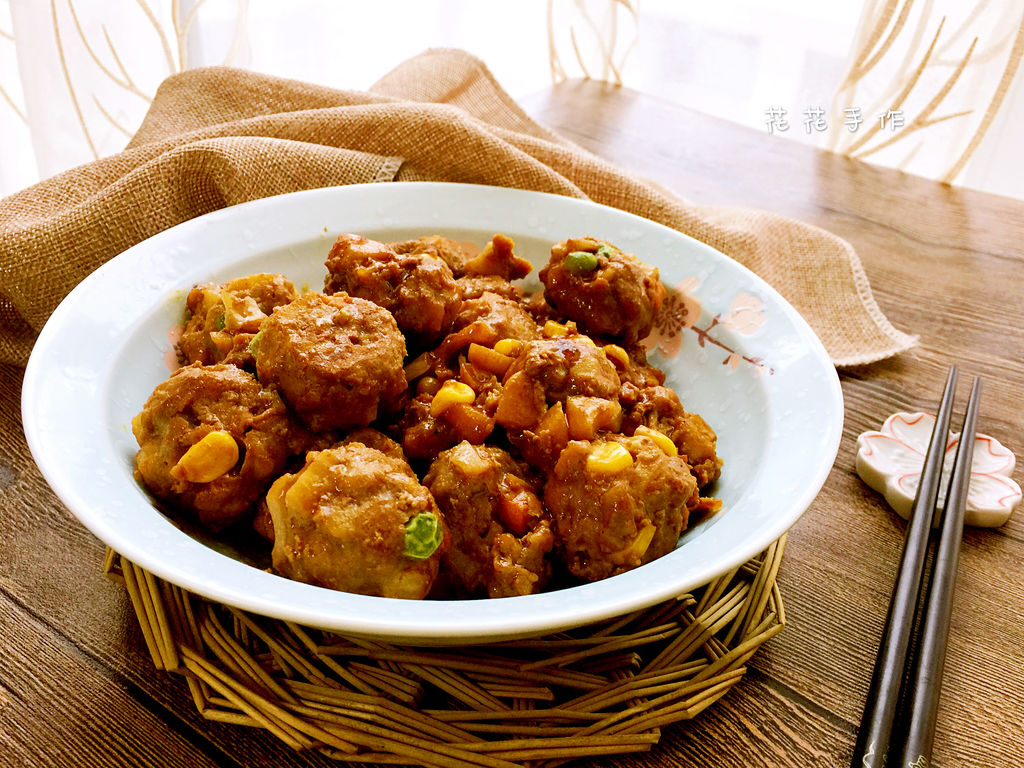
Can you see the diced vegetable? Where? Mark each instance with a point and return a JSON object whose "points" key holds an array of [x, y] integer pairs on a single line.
{"points": [[419, 366], [617, 355], [660, 439], [609, 459], [521, 404], [213, 456], [488, 359], [450, 393], [634, 553], [553, 330], [587, 416], [468, 459], [553, 425], [519, 506], [508, 346], [423, 535], [470, 423], [581, 263], [427, 385], [479, 333], [254, 344]]}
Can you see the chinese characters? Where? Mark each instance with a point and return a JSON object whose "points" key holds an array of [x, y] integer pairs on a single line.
{"points": [[815, 119]]}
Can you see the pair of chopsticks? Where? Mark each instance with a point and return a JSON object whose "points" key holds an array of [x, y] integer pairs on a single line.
{"points": [[898, 725]]}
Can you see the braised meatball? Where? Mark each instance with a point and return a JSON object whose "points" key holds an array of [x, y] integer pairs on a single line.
{"points": [[473, 287], [618, 502], [249, 435], [447, 250], [550, 370], [606, 291], [336, 359], [500, 533], [357, 520], [224, 318], [556, 390], [374, 438], [418, 288], [506, 317], [658, 407]]}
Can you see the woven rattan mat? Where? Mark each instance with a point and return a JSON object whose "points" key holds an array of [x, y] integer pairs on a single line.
{"points": [[607, 688]]}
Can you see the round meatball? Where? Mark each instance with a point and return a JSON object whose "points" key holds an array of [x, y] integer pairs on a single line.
{"points": [[612, 515], [186, 408], [418, 288], [356, 519], [606, 291], [474, 286], [500, 533], [658, 407], [447, 250], [506, 317], [336, 359], [224, 318], [552, 370]]}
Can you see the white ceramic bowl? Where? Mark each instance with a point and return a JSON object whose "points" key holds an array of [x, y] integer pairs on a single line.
{"points": [[734, 350]]}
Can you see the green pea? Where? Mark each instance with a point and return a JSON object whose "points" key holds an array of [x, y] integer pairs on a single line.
{"points": [[581, 263], [219, 322], [606, 250], [423, 535], [254, 344]]}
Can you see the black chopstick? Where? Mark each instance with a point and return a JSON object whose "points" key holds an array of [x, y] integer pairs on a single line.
{"points": [[925, 681], [873, 738]]}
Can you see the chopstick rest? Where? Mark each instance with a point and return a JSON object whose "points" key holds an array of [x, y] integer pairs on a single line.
{"points": [[871, 749], [889, 460]]}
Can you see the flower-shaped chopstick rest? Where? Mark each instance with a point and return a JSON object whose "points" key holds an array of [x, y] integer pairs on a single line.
{"points": [[890, 461]]}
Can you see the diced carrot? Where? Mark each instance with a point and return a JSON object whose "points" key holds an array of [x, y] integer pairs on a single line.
{"points": [[519, 505]]}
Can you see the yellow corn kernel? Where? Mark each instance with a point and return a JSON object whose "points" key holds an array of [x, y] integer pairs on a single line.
{"points": [[508, 346], [552, 330], [608, 459], [450, 393], [660, 439], [633, 554], [617, 355], [208, 459]]}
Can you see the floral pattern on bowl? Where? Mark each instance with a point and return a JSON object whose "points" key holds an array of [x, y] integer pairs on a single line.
{"points": [[890, 461], [681, 312]]}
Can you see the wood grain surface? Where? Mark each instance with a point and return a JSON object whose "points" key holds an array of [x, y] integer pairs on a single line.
{"points": [[77, 687]]}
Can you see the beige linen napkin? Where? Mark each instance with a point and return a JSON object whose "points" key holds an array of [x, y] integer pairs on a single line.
{"points": [[218, 136]]}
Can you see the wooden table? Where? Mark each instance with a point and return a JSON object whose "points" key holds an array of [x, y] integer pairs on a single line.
{"points": [[77, 687]]}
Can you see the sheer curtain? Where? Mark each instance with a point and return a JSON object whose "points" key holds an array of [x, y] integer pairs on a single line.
{"points": [[934, 83], [938, 85]]}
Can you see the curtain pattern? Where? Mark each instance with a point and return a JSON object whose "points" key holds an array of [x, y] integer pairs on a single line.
{"points": [[931, 86], [933, 82]]}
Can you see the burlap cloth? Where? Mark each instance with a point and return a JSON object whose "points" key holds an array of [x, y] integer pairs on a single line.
{"points": [[216, 137]]}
